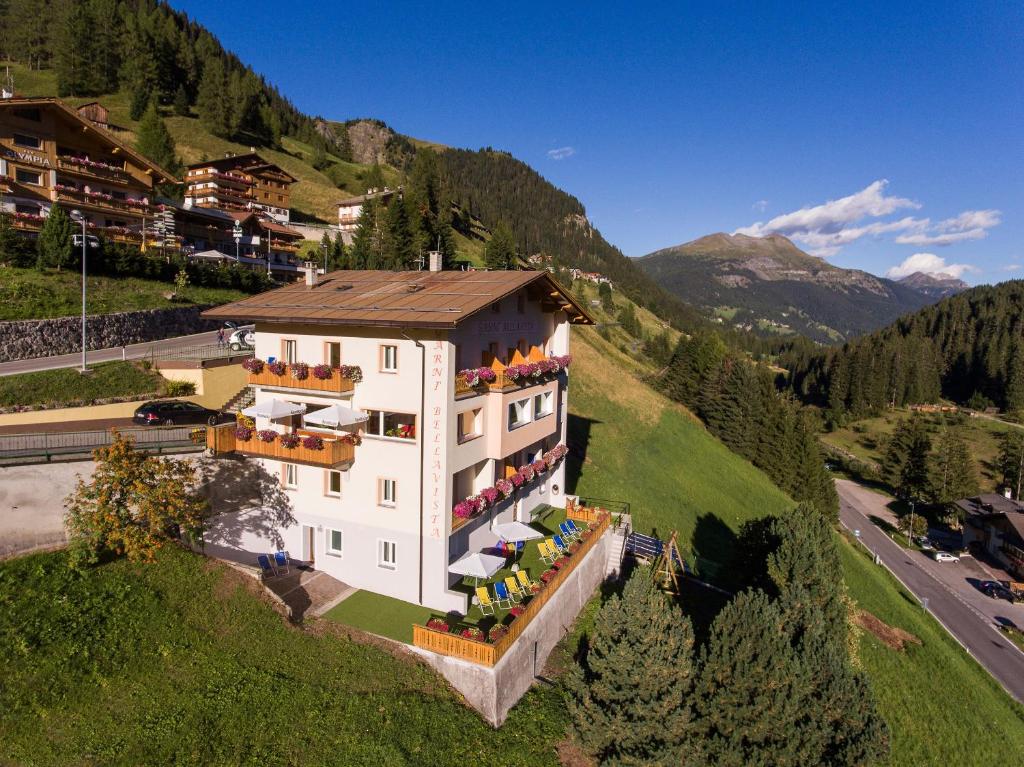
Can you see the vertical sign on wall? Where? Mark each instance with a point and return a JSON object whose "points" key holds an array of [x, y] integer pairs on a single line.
{"points": [[438, 388]]}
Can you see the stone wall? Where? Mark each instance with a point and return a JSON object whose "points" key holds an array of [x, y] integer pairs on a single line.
{"points": [[493, 691], [25, 339]]}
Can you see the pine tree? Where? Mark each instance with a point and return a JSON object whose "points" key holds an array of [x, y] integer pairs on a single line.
{"points": [[75, 61], [398, 239], [1011, 461], [500, 250], [212, 103], [339, 256], [365, 241], [752, 692], [12, 246], [952, 469], [629, 697], [1015, 380], [154, 141], [604, 292], [53, 245], [181, 103], [141, 97]]}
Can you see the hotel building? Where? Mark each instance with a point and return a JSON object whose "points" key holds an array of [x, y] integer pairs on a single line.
{"points": [[240, 183]]}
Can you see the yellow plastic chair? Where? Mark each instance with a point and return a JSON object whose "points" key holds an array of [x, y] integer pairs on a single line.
{"points": [[526, 585], [548, 554], [484, 597], [513, 588]]}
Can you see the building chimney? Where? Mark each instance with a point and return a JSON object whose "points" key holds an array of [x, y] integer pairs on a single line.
{"points": [[1007, 493], [435, 260], [311, 275]]}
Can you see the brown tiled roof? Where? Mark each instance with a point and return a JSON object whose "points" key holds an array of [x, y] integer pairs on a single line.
{"points": [[248, 161], [398, 299]]}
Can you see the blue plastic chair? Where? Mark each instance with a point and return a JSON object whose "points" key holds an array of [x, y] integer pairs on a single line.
{"points": [[504, 599], [577, 529], [567, 530], [266, 566], [560, 543], [281, 560]]}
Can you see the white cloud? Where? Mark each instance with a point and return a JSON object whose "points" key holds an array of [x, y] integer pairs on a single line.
{"points": [[1012, 268], [826, 228], [928, 263], [760, 206], [561, 153]]}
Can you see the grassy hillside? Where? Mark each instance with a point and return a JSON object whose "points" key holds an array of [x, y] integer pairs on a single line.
{"points": [[941, 706], [31, 294]]}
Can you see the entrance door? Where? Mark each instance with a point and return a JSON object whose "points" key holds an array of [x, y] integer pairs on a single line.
{"points": [[309, 544]]}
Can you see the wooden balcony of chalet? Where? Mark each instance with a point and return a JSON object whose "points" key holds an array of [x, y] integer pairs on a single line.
{"points": [[78, 197], [501, 381], [335, 451], [338, 383], [80, 166]]}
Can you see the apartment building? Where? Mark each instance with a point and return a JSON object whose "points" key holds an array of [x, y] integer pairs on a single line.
{"points": [[350, 209], [381, 422], [49, 153], [244, 182]]}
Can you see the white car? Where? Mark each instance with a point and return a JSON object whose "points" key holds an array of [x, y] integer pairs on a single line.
{"points": [[242, 339], [945, 556]]}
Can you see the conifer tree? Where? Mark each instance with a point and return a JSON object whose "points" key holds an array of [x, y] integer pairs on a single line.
{"points": [[398, 240], [500, 250], [75, 60], [212, 99], [154, 141], [1011, 461], [952, 469], [339, 256], [141, 97], [629, 699], [604, 292], [53, 245], [181, 102]]}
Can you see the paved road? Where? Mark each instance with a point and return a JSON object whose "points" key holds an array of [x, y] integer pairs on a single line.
{"points": [[962, 613], [135, 351]]}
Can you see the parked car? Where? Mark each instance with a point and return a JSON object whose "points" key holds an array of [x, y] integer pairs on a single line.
{"points": [[172, 412], [997, 590], [924, 543], [944, 556], [242, 339]]}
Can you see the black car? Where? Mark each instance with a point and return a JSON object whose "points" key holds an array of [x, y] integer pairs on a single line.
{"points": [[997, 590], [173, 412]]}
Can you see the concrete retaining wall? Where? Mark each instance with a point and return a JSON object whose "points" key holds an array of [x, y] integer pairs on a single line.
{"points": [[493, 691], [26, 339]]}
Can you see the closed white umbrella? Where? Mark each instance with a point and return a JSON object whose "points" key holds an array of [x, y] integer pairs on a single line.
{"points": [[477, 565], [274, 408], [335, 417]]}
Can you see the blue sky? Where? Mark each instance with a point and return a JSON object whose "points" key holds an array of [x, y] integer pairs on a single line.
{"points": [[870, 134]]}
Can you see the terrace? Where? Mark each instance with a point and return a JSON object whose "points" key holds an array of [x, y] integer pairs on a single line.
{"points": [[407, 623], [300, 375], [82, 166], [522, 371], [304, 447]]}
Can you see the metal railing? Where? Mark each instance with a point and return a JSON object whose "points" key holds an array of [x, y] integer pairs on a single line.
{"points": [[199, 352], [44, 446]]}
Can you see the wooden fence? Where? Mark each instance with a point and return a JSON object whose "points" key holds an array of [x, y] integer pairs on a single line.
{"points": [[582, 513], [336, 384], [221, 439], [486, 654]]}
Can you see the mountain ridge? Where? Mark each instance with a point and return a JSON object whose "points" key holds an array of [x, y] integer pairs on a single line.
{"points": [[769, 284]]}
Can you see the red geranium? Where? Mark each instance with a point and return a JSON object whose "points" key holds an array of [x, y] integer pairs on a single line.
{"points": [[437, 624], [472, 632]]}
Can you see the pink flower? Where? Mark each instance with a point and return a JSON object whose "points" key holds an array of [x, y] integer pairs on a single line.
{"points": [[472, 632], [289, 440], [300, 371], [277, 367], [322, 372], [437, 624], [539, 467], [505, 487], [490, 495], [253, 365], [243, 433], [353, 373], [313, 442], [527, 471], [517, 479], [266, 435]]}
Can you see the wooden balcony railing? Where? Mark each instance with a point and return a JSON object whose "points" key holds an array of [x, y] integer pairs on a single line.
{"points": [[487, 654], [81, 198], [82, 168], [336, 384], [501, 380], [221, 439]]}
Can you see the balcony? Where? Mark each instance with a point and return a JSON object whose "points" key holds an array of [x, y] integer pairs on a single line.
{"points": [[341, 380], [101, 201], [333, 451], [220, 177], [81, 166], [523, 372]]}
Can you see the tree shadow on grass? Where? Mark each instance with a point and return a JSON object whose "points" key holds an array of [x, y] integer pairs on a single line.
{"points": [[578, 438]]}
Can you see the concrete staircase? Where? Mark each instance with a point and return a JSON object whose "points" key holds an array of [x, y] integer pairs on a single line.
{"points": [[245, 397], [616, 548]]}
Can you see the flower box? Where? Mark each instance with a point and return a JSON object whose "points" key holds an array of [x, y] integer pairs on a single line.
{"points": [[473, 633], [437, 624]]}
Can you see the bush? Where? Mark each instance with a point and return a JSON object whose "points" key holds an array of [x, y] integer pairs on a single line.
{"points": [[497, 632], [179, 388]]}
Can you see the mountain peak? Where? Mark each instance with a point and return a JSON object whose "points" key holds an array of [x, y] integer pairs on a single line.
{"points": [[937, 285]]}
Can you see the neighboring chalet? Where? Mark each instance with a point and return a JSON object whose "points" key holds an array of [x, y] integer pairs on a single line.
{"points": [[375, 421], [349, 209], [50, 153], [240, 183], [996, 523]]}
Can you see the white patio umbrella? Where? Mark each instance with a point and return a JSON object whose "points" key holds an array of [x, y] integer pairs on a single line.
{"points": [[274, 408], [515, 532], [335, 417], [477, 565]]}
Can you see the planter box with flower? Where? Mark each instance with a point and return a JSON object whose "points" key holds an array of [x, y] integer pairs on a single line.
{"points": [[305, 448], [301, 375], [468, 508], [500, 377]]}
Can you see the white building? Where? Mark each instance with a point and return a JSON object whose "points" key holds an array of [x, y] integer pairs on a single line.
{"points": [[350, 209], [378, 514]]}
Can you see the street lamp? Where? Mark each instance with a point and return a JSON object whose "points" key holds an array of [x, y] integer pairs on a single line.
{"points": [[910, 530], [76, 215]]}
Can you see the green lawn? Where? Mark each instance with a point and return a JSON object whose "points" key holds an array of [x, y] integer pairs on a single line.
{"points": [[179, 663], [942, 707], [31, 294], [68, 386], [641, 448]]}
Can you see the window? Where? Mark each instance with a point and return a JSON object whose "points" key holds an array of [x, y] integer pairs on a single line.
{"points": [[519, 413], [30, 142], [333, 485], [288, 351], [386, 555], [469, 425], [388, 359], [386, 492], [291, 475], [543, 404], [333, 354], [397, 425], [28, 177], [334, 542]]}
